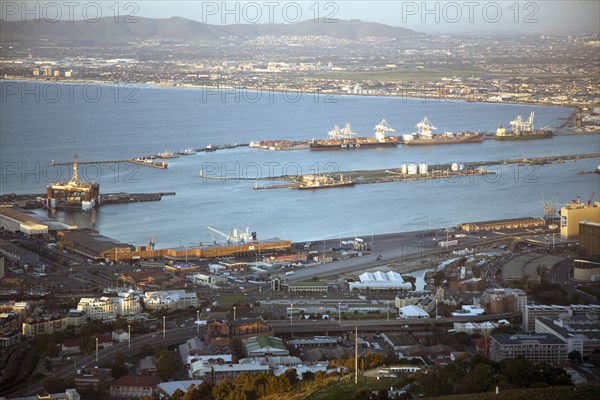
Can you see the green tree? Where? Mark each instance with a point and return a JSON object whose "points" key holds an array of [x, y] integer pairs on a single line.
{"points": [[166, 364], [51, 350], [55, 385], [177, 395], [118, 368], [291, 375], [87, 344]]}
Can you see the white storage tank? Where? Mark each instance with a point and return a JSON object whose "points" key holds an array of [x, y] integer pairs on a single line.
{"points": [[454, 167], [404, 169], [411, 169], [422, 168]]}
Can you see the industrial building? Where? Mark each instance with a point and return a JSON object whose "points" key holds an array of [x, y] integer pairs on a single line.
{"points": [[574, 213], [91, 244], [514, 223], [412, 312], [262, 346], [379, 280], [15, 219], [581, 333], [535, 311]]}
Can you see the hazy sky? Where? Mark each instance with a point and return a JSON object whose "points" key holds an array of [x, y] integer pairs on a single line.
{"points": [[442, 16], [425, 16]]}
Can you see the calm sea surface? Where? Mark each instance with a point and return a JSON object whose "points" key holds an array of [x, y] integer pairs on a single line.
{"points": [[41, 123]]}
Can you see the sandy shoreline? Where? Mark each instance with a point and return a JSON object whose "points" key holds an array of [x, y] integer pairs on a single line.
{"points": [[234, 87]]}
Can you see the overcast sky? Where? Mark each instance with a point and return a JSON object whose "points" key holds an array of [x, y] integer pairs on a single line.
{"points": [[442, 16]]}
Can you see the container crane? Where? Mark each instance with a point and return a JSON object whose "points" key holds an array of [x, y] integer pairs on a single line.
{"points": [[589, 203], [381, 129]]}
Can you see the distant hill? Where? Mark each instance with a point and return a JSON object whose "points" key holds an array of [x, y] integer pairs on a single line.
{"points": [[106, 31]]}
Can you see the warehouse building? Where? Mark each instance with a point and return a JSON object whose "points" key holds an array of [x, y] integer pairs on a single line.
{"points": [[514, 223]]}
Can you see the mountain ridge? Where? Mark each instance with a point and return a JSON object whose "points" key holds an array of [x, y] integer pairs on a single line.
{"points": [[106, 30]]}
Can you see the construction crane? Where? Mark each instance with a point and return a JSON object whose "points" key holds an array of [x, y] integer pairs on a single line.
{"points": [[381, 129]]}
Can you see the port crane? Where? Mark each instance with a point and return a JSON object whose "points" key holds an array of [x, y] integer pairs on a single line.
{"points": [[345, 133], [549, 211], [425, 127], [589, 203], [519, 126], [381, 129], [233, 236], [152, 241]]}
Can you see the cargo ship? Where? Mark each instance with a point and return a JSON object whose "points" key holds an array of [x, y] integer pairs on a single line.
{"points": [[346, 139], [424, 136], [523, 130], [310, 182]]}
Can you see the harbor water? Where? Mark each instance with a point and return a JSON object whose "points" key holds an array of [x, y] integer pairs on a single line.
{"points": [[35, 131]]}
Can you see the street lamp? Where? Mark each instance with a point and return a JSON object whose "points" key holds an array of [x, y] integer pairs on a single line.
{"points": [[291, 313], [129, 335], [340, 313], [234, 308], [96, 348], [197, 321], [436, 310], [164, 325]]}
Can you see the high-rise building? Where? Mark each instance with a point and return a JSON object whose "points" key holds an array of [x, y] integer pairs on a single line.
{"points": [[575, 212]]}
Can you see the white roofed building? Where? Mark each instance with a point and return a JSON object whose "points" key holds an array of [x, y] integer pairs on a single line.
{"points": [[379, 280], [103, 308], [172, 300], [412, 312]]}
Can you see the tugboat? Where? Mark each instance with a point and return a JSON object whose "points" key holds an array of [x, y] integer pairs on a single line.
{"points": [[523, 130]]}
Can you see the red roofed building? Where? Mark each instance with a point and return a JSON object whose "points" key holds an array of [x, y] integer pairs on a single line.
{"points": [[134, 386]]}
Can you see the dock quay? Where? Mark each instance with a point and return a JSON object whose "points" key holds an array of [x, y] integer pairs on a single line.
{"points": [[415, 171], [123, 198], [144, 161], [33, 201]]}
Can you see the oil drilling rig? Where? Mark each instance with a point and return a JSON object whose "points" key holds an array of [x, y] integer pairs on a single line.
{"points": [[73, 194]]}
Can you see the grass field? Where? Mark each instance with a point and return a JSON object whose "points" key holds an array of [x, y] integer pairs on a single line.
{"points": [[232, 299]]}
